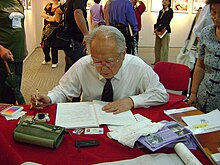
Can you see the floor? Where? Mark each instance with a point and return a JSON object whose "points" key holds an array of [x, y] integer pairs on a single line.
{"points": [[44, 78]]}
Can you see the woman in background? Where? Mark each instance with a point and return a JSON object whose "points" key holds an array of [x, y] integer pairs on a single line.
{"points": [[96, 14], [12, 46], [205, 91], [47, 13], [163, 23]]}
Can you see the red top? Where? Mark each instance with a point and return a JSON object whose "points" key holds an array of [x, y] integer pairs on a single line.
{"points": [[138, 12]]}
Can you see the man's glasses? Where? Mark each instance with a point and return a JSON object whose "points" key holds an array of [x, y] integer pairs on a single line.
{"points": [[109, 63]]}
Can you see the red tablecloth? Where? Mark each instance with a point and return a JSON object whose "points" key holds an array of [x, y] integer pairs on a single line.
{"points": [[13, 153]]}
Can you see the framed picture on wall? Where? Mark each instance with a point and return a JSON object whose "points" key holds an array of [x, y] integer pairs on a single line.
{"points": [[89, 4], [28, 4], [156, 5], [181, 6], [197, 4]]}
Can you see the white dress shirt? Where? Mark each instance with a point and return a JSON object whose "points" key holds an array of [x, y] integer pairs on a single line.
{"points": [[135, 79]]}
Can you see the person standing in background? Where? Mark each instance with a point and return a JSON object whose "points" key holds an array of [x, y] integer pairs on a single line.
{"points": [[163, 23], [205, 91], [77, 27], [139, 8], [12, 46], [121, 16], [96, 14], [48, 12]]}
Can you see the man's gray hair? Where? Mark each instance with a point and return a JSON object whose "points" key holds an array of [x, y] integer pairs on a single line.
{"points": [[108, 32]]}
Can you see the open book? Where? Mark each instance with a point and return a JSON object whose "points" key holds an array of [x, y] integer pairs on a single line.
{"points": [[183, 156], [89, 114]]}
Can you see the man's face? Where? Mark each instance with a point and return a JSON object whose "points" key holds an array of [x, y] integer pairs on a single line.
{"points": [[105, 57]]}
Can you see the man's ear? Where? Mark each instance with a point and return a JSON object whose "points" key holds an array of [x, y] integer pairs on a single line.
{"points": [[124, 52]]}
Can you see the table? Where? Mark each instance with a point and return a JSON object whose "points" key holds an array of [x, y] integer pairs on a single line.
{"points": [[13, 153]]}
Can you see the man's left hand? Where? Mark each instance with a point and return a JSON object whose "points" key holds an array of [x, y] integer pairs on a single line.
{"points": [[119, 106]]}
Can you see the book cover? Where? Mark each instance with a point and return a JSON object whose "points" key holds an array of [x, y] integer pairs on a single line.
{"points": [[162, 33], [12, 110]]}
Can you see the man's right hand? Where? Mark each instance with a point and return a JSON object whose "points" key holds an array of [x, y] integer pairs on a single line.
{"points": [[40, 101], [6, 54]]}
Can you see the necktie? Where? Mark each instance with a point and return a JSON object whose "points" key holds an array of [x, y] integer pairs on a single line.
{"points": [[107, 94]]}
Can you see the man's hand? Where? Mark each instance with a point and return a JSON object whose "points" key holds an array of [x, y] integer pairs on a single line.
{"points": [[39, 101], [6, 54], [119, 106]]}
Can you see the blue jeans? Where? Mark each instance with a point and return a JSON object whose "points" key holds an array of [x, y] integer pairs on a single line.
{"points": [[74, 53]]}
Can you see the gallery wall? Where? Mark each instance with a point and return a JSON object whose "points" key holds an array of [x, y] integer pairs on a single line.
{"points": [[180, 25]]}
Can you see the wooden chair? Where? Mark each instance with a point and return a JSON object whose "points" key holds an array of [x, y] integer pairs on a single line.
{"points": [[174, 77]]}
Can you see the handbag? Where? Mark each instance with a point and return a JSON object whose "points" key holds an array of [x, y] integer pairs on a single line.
{"points": [[37, 133], [62, 39]]}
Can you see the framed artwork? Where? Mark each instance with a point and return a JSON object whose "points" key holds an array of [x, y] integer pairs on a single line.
{"points": [[89, 4], [181, 6], [197, 4], [156, 5], [28, 4]]}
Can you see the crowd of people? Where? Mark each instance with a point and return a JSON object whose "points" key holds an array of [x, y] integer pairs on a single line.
{"points": [[110, 60]]}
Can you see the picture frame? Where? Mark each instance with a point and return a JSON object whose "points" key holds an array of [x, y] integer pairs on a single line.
{"points": [[181, 6], [89, 4], [197, 4], [29, 4], [155, 7]]}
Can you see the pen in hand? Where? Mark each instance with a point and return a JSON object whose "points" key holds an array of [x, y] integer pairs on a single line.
{"points": [[37, 95]]}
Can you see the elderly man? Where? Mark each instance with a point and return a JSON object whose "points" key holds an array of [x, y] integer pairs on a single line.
{"points": [[132, 82]]}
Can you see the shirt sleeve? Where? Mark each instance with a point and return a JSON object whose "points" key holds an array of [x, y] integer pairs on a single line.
{"points": [[131, 17], [68, 87], [152, 92]]}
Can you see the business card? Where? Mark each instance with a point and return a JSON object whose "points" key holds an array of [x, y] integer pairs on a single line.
{"points": [[94, 131]]}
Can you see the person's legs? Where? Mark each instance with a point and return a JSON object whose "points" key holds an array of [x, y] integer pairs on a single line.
{"points": [[165, 47], [128, 39], [157, 49], [73, 54], [46, 51], [54, 53]]}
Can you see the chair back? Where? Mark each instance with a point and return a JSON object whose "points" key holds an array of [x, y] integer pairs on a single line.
{"points": [[173, 76]]}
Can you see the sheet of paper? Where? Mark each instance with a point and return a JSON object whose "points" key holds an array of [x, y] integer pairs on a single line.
{"points": [[203, 123], [173, 111], [76, 115], [124, 118]]}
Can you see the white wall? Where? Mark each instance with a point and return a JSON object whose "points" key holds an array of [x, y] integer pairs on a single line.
{"points": [[180, 26]]}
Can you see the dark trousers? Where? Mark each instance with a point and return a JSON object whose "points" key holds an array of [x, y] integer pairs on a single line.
{"points": [[74, 53], [125, 31], [54, 54], [6, 93]]}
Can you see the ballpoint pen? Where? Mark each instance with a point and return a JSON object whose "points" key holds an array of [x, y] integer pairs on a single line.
{"points": [[37, 94]]}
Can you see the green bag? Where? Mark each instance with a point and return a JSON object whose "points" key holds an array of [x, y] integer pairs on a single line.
{"points": [[42, 134]]}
